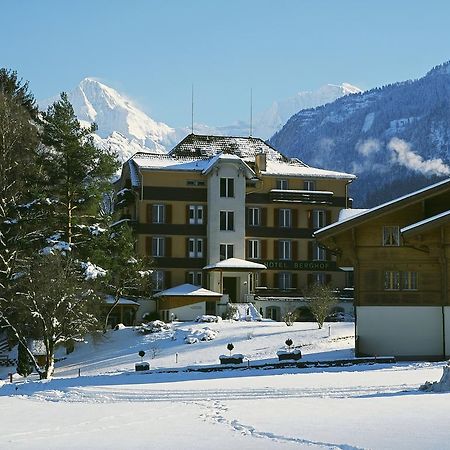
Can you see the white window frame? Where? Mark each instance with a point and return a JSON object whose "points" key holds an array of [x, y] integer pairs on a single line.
{"points": [[282, 184], [285, 219], [158, 246], [195, 278], [196, 214], [320, 278], [318, 253], [409, 281], [391, 236], [284, 280], [227, 187], [285, 249], [309, 185], [254, 249], [391, 280], [228, 220], [227, 250], [319, 219], [195, 247], [254, 217], [158, 213], [158, 277]]}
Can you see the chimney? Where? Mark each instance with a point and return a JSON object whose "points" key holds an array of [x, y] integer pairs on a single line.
{"points": [[260, 162]]}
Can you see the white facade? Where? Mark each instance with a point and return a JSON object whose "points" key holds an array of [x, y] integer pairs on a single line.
{"points": [[403, 331]]}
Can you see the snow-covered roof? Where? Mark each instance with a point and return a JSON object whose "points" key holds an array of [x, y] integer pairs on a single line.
{"points": [[109, 299], [187, 290], [296, 168], [434, 220], [444, 184], [345, 214], [235, 264]]}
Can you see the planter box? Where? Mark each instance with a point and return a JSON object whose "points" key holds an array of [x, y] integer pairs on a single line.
{"points": [[142, 366], [286, 356], [233, 359]]}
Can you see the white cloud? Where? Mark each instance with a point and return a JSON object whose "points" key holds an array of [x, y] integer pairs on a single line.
{"points": [[402, 154], [368, 147]]}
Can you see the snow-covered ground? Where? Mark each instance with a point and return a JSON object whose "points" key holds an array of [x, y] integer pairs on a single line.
{"points": [[111, 406]]}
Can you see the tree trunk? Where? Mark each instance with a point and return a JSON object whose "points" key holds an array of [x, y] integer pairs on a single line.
{"points": [[116, 302]]}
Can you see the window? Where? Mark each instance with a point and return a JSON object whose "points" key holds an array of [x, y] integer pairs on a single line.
{"points": [[391, 280], [282, 184], [195, 183], [194, 278], [227, 187], [226, 251], [254, 249], [158, 214], [319, 278], [227, 220], [319, 218], [409, 281], [284, 280], [391, 236], [195, 247], [158, 280], [254, 217], [158, 247], [285, 218], [284, 249], [309, 185], [318, 253], [196, 214]]}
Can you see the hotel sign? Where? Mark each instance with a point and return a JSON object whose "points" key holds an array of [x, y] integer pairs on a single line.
{"points": [[310, 266]]}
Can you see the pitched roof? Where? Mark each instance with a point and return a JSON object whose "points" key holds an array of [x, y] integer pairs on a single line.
{"points": [[231, 264], [384, 208], [429, 223], [187, 290]]}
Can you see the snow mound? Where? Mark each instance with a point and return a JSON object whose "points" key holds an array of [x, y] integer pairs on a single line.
{"points": [[245, 311], [443, 385], [154, 327], [204, 334], [208, 318]]}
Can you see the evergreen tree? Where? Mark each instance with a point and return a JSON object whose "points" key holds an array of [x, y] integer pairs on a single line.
{"points": [[24, 365], [78, 173]]}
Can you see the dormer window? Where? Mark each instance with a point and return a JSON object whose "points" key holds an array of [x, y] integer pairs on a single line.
{"points": [[391, 236]]}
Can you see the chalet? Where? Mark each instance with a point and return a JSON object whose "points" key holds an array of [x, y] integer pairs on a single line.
{"points": [[234, 216], [400, 254]]}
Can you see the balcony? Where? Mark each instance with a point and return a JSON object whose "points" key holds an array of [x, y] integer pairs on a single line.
{"points": [[301, 196]]}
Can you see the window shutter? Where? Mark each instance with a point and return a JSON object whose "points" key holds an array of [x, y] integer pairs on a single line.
{"points": [[264, 217], [310, 218], [294, 280], [168, 214], [168, 247], [148, 246], [294, 213], [276, 217], [187, 214], [205, 214], [310, 250], [247, 249], [247, 214], [167, 279], [149, 213], [187, 247], [275, 249], [263, 279], [328, 217], [276, 280], [327, 255], [186, 277], [263, 249], [310, 279], [327, 278], [294, 250]]}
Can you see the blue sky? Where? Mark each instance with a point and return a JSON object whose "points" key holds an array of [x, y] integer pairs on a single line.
{"points": [[153, 50]]}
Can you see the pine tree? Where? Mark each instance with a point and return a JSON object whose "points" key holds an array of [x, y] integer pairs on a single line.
{"points": [[24, 365], [78, 173]]}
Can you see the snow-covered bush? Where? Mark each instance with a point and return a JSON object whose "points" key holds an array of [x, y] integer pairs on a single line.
{"points": [[208, 318], [154, 327], [204, 334], [190, 340]]}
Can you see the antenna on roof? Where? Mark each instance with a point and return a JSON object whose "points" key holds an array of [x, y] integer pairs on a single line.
{"points": [[251, 112], [192, 109]]}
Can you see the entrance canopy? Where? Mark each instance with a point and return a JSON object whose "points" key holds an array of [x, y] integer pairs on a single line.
{"points": [[235, 265], [187, 290]]}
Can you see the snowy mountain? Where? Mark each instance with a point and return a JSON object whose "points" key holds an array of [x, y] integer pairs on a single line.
{"points": [[121, 125], [395, 138], [126, 129]]}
